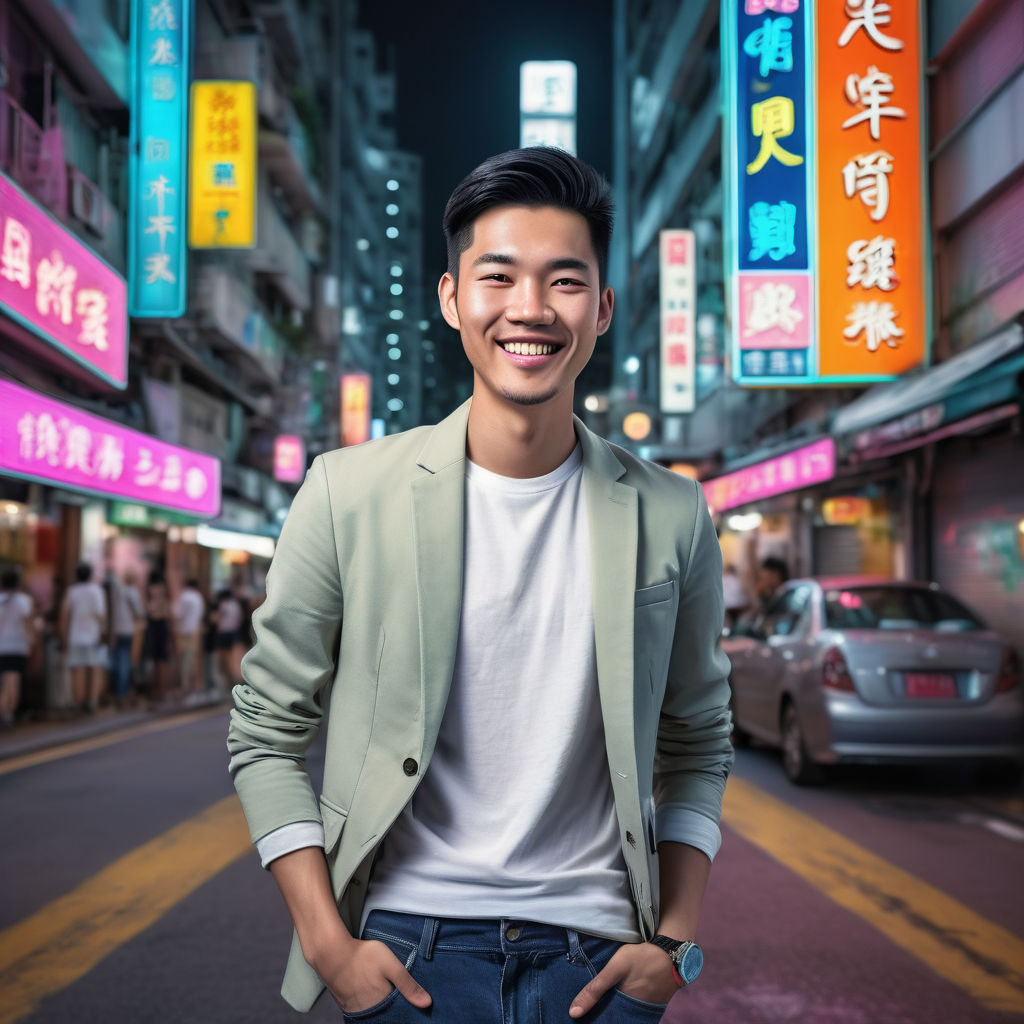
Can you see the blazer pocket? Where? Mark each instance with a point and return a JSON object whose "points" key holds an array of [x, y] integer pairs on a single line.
{"points": [[334, 822], [653, 595]]}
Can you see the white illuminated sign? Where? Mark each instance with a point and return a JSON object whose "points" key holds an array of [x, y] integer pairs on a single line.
{"points": [[231, 540], [547, 104]]}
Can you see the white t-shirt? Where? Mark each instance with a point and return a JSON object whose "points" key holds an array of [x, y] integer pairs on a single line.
{"points": [[15, 613], [515, 815], [87, 612], [188, 611]]}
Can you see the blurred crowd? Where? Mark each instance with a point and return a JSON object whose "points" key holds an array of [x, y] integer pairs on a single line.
{"points": [[121, 642]]}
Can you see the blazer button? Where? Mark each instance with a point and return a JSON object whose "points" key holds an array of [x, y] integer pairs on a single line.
{"points": [[409, 766]]}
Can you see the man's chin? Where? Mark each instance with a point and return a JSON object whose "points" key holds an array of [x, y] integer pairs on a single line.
{"points": [[532, 398]]}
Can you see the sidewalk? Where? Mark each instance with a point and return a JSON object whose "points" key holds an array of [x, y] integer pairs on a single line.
{"points": [[29, 737]]}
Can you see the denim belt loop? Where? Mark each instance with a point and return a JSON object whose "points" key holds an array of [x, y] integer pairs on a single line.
{"points": [[575, 947], [428, 937]]}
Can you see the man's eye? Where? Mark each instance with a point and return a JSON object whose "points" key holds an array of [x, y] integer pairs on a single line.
{"points": [[495, 277], [570, 281]]}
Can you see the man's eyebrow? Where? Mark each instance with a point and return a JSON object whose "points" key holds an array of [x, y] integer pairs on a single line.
{"points": [[562, 263]]}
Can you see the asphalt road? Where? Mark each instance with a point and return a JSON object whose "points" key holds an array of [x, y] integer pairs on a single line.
{"points": [[130, 894]]}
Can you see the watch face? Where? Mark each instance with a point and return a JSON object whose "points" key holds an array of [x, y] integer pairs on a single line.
{"points": [[691, 963]]}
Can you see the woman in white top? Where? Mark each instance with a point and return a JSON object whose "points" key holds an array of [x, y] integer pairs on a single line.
{"points": [[17, 637], [83, 625]]}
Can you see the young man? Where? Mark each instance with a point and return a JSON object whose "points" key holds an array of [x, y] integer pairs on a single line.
{"points": [[514, 626]]}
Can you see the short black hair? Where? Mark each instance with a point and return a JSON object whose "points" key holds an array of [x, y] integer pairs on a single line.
{"points": [[10, 579], [83, 572], [535, 176]]}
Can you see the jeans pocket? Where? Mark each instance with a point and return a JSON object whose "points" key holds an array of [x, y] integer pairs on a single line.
{"points": [[393, 1008], [636, 1011]]}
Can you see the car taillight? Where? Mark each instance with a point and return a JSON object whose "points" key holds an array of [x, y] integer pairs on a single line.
{"points": [[834, 672], [1009, 672]]}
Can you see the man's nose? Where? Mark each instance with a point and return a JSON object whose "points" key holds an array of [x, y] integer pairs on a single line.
{"points": [[528, 306]]}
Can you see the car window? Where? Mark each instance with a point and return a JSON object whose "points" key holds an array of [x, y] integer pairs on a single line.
{"points": [[784, 615], [884, 607]]}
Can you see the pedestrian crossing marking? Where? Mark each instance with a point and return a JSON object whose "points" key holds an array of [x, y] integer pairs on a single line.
{"points": [[982, 958], [64, 940]]}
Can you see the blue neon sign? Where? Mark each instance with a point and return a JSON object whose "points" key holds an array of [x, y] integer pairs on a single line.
{"points": [[157, 267]]}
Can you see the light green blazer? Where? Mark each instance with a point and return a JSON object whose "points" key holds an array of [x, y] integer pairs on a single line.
{"points": [[361, 621]]}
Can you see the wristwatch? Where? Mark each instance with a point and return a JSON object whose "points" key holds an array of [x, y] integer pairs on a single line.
{"points": [[687, 958]]}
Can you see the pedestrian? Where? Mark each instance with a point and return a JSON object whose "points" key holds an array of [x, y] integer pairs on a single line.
{"points": [[128, 616], [189, 610], [513, 627], [734, 593], [83, 630], [771, 574], [230, 615], [156, 644], [17, 638]]}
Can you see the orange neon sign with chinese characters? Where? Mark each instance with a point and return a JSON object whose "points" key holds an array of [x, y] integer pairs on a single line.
{"points": [[872, 255]]}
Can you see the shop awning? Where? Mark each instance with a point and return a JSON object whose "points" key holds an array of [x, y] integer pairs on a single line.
{"points": [[940, 384]]}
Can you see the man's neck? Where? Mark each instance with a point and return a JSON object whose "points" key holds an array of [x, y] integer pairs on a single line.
{"points": [[520, 441]]}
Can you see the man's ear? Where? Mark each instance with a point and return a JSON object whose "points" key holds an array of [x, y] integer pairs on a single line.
{"points": [[604, 311], [449, 306]]}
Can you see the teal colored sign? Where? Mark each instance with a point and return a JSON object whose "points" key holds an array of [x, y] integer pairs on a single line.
{"points": [[157, 253]]}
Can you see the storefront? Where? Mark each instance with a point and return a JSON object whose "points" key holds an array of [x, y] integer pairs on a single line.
{"points": [[763, 509], [64, 476]]}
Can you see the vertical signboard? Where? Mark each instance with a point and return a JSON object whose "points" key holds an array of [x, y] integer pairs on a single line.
{"points": [[60, 290], [872, 248], [547, 104], [678, 272], [810, 262], [355, 408], [157, 272], [222, 166], [289, 458]]}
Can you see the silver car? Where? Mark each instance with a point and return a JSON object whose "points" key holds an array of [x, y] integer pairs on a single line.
{"points": [[858, 669]]}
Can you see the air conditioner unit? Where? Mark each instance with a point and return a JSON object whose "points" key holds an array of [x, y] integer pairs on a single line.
{"points": [[88, 204]]}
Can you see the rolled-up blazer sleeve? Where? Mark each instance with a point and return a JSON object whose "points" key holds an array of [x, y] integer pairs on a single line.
{"points": [[694, 753], [279, 705]]}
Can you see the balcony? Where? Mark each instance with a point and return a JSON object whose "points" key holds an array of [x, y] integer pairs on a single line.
{"points": [[226, 304], [277, 254], [286, 156], [282, 24], [33, 156]]}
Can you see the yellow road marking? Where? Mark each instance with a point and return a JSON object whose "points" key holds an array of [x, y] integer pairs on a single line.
{"points": [[67, 938], [13, 764], [965, 948]]}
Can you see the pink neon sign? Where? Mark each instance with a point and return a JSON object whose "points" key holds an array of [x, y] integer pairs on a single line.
{"points": [[56, 443], [60, 290], [803, 467], [289, 459]]}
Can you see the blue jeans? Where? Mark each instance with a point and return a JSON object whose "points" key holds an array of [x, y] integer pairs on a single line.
{"points": [[121, 666], [496, 972]]}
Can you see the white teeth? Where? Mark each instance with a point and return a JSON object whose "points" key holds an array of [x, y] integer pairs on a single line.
{"points": [[531, 348]]}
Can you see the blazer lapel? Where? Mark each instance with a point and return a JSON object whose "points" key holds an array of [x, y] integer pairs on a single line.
{"points": [[612, 510], [438, 501]]}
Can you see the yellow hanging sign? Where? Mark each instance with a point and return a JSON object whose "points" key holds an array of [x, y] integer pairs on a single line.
{"points": [[222, 166]]}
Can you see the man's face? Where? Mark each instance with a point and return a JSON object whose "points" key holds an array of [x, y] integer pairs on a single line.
{"points": [[529, 304]]}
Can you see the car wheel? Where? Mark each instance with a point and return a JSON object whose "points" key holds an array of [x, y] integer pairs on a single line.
{"points": [[799, 768]]}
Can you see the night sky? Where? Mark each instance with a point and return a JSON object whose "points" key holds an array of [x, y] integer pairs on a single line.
{"points": [[457, 65]]}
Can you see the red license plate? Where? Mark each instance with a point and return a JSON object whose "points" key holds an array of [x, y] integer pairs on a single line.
{"points": [[930, 684]]}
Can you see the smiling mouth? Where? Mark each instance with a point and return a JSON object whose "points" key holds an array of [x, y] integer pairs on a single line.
{"points": [[528, 348]]}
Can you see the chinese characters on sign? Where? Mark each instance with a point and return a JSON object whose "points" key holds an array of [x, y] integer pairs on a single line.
{"points": [[222, 169], [41, 439], [771, 273], [871, 222], [59, 289], [678, 321], [812, 464], [827, 277], [156, 233]]}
